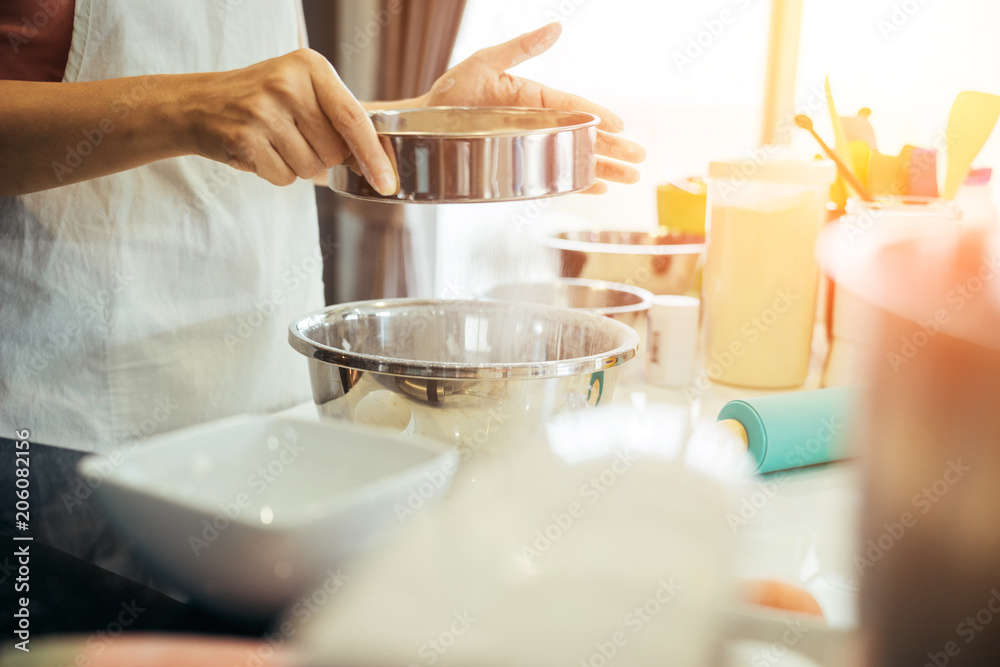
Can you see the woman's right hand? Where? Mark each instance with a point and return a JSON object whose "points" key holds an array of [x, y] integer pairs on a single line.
{"points": [[284, 118]]}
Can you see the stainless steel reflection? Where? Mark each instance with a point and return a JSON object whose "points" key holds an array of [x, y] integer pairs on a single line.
{"points": [[382, 50], [385, 49], [460, 154], [660, 263], [464, 372], [624, 303]]}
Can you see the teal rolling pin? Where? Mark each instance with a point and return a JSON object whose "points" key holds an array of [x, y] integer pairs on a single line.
{"points": [[795, 429]]}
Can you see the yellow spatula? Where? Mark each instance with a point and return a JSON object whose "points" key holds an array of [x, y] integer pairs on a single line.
{"points": [[840, 146], [970, 123]]}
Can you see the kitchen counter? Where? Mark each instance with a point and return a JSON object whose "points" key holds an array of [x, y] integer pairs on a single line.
{"points": [[799, 526], [69, 593]]}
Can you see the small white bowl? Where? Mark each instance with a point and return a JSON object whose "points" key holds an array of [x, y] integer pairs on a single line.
{"points": [[246, 513]]}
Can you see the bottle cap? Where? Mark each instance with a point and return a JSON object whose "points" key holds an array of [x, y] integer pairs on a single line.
{"points": [[672, 344]]}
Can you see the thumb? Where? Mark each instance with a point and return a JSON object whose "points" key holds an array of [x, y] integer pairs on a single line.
{"points": [[504, 56]]}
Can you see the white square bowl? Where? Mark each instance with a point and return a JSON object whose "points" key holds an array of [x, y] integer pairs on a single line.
{"points": [[246, 513]]}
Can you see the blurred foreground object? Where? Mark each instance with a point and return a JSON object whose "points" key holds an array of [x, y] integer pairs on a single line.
{"points": [[777, 594], [148, 650], [972, 119], [610, 544], [931, 450], [866, 226]]}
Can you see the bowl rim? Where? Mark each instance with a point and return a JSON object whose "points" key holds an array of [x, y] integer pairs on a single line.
{"points": [[551, 238], [450, 370], [644, 303], [583, 120], [330, 506]]}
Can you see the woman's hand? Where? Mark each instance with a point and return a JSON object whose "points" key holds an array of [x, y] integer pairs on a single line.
{"points": [[284, 118], [482, 80]]}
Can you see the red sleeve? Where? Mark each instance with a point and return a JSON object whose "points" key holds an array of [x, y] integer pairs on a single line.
{"points": [[35, 36]]}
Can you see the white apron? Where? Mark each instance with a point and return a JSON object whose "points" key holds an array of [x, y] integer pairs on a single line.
{"points": [[160, 297]]}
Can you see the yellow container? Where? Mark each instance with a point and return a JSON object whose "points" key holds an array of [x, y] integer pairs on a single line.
{"points": [[680, 206], [761, 274]]}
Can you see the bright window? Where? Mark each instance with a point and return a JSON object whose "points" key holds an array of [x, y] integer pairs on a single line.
{"points": [[905, 59]]}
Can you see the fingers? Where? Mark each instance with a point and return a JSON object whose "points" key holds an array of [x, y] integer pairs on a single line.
{"points": [[611, 146], [351, 121], [607, 170], [598, 188], [551, 98], [617, 172], [297, 153], [618, 148], [324, 140], [262, 158], [352, 164], [504, 56]]}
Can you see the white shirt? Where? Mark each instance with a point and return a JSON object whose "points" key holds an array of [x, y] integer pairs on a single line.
{"points": [[159, 297]]}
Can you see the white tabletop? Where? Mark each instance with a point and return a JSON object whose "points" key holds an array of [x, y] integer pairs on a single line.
{"points": [[799, 526]]}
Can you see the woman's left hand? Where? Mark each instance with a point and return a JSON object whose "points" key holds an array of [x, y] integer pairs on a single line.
{"points": [[482, 80]]}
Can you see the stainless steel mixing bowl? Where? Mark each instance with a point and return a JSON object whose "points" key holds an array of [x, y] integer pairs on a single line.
{"points": [[475, 154], [476, 374], [625, 303], [660, 263]]}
